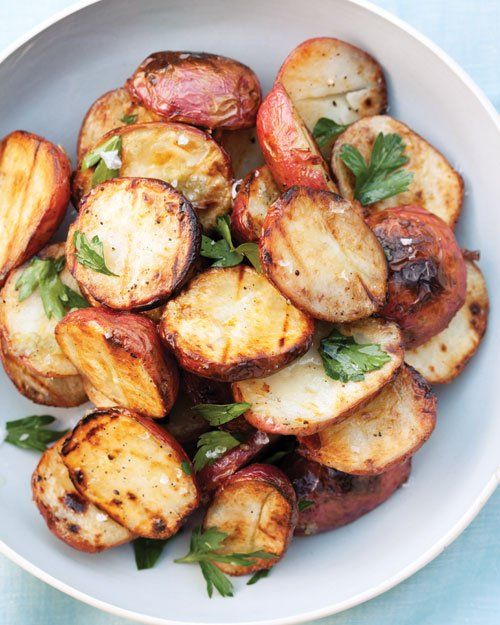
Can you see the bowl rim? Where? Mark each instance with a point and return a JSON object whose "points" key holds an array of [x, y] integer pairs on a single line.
{"points": [[451, 535]]}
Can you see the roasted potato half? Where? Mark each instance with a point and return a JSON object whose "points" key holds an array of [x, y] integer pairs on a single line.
{"points": [[257, 508], [338, 498], [381, 434], [185, 157], [288, 147], [26, 329], [113, 109], [327, 77], [96, 397], [446, 354], [436, 185], [152, 252], [121, 356], [427, 275], [34, 194], [302, 399], [231, 324], [131, 468], [197, 88], [320, 254], [68, 515], [63, 392], [255, 195], [243, 149]]}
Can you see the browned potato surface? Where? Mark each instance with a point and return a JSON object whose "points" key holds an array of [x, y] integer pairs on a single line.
{"points": [[198, 88], [255, 195], [150, 236], [436, 185], [68, 515], [34, 194], [257, 507], [243, 149], [131, 468], [381, 434], [96, 397], [121, 356], [446, 354], [321, 255], [338, 498], [231, 324], [301, 399]]}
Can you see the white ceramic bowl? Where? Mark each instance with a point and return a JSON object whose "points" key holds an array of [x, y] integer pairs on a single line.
{"points": [[47, 82]]}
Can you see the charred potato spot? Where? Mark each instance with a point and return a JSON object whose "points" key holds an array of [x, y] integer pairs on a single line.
{"points": [[301, 399], [219, 326], [307, 230], [145, 466], [380, 435]]}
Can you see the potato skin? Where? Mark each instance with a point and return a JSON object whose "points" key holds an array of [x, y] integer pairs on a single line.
{"points": [[197, 88], [427, 275], [30, 167], [338, 498], [205, 391], [288, 147]]}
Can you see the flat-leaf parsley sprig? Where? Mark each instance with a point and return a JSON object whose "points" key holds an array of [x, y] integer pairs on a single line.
{"points": [[223, 251]]}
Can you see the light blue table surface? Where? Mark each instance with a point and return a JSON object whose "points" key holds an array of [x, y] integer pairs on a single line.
{"points": [[462, 586]]}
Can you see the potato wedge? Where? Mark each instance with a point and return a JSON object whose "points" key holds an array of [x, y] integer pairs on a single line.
{"points": [[153, 251], [185, 157], [68, 515], [197, 88], [26, 330], [243, 149], [96, 397], [231, 324], [112, 110], [338, 498], [34, 194], [288, 147], [131, 468], [257, 508], [255, 195], [446, 354], [301, 399], [381, 434], [121, 356], [320, 254], [65, 392], [436, 185]]}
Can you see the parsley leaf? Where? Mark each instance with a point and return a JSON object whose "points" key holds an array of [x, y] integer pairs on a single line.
{"points": [[326, 129], [304, 504], [147, 551], [129, 119], [91, 253], [218, 414], [30, 433], [347, 360], [186, 467], [106, 160], [223, 250], [383, 176], [211, 446], [258, 575]]}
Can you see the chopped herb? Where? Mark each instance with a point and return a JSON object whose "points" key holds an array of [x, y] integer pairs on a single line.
{"points": [[129, 119], [383, 176], [258, 575], [211, 446], [347, 360], [30, 433], [186, 467], [147, 551], [304, 504], [218, 414], [326, 129], [90, 253], [203, 550], [106, 160], [223, 251]]}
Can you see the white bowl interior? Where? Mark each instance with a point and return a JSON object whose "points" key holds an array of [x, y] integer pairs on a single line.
{"points": [[47, 86]]}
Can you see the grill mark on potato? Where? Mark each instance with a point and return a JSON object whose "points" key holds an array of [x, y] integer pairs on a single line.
{"points": [[75, 503]]}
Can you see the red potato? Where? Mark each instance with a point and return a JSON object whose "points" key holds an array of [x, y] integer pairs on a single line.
{"points": [[338, 498], [121, 356], [288, 147], [204, 391], [255, 195], [257, 508], [34, 194], [243, 149], [68, 515], [197, 88], [132, 469], [185, 425], [96, 397], [427, 276]]}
